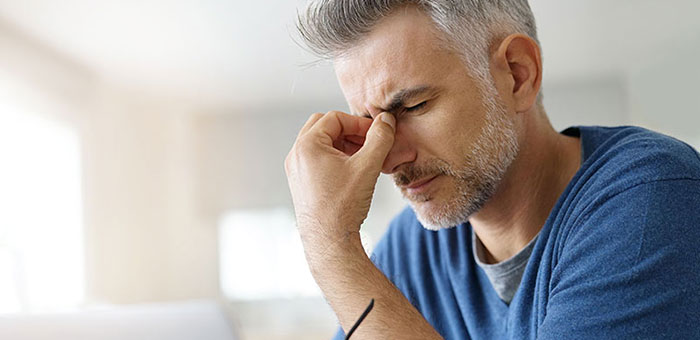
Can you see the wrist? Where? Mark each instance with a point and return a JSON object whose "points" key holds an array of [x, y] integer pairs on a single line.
{"points": [[325, 252]]}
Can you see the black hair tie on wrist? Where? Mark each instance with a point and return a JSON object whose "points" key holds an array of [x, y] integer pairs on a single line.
{"points": [[359, 321]]}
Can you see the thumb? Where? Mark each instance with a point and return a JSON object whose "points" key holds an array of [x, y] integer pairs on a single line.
{"points": [[378, 141]]}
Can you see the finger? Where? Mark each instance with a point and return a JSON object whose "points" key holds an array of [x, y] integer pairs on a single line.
{"points": [[351, 148], [349, 144], [378, 141], [359, 140], [335, 124], [309, 123]]}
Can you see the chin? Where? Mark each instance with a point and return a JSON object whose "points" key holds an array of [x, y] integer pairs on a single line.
{"points": [[431, 222], [435, 214], [447, 210]]}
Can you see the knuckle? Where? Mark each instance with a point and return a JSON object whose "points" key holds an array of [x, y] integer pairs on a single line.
{"points": [[302, 144], [313, 118], [303, 148]]}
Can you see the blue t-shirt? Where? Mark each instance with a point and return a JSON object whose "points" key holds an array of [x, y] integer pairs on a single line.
{"points": [[617, 258]]}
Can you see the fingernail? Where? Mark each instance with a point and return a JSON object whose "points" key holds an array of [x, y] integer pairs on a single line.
{"points": [[389, 119]]}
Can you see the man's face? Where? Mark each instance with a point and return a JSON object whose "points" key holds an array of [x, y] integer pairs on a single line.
{"points": [[451, 147]]}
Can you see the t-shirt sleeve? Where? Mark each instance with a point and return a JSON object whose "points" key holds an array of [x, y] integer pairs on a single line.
{"points": [[339, 335], [630, 268]]}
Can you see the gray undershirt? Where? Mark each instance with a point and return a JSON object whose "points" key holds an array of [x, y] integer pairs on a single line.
{"points": [[505, 276]]}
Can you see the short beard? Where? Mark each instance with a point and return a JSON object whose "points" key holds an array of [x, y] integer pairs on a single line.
{"points": [[477, 180]]}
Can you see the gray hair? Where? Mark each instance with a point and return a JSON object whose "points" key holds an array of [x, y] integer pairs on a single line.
{"points": [[332, 27]]}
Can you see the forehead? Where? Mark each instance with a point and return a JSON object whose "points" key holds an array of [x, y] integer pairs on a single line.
{"points": [[404, 50]]}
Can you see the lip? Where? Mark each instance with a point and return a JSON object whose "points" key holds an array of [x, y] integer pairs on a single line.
{"points": [[420, 185]]}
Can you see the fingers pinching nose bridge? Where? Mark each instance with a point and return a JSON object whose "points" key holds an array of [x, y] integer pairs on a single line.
{"points": [[389, 119]]}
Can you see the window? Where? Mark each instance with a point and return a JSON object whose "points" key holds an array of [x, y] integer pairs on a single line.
{"points": [[41, 233], [261, 256]]}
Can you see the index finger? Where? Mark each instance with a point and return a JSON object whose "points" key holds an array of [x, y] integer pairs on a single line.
{"points": [[335, 124], [309, 123]]}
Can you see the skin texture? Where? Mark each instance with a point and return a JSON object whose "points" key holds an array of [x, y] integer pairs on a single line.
{"points": [[433, 130]]}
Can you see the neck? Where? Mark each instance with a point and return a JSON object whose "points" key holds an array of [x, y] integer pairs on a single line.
{"points": [[515, 214]]}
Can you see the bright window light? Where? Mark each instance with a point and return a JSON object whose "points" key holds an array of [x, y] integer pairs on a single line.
{"points": [[261, 256], [41, 233]]}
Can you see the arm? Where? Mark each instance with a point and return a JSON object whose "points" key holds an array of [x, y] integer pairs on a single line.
{"points": [[332, 170], [349, 280]]}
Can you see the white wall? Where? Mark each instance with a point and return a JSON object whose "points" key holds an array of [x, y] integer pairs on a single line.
{"points": [[664, 91], [593, 101], [144, 241]]}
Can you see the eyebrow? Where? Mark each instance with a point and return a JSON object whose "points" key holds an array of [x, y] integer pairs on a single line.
{"points": [[399, 99]]}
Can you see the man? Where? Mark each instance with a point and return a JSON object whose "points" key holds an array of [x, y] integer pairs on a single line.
{"points": [[514, 230]]}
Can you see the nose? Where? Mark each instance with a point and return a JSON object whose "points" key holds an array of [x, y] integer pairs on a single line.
{"points": [[402, 152]]}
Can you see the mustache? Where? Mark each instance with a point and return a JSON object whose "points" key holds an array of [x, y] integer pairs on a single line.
{"points": [[414, 172]]}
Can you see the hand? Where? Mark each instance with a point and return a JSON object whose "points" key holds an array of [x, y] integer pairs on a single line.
{"points": [[332, 170]]}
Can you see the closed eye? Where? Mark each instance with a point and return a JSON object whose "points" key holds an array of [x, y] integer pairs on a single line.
{"points": [[406, 109], [416, 107]]}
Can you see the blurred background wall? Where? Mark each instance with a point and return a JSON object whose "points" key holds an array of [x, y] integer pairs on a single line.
{"points": [[183, 112]]}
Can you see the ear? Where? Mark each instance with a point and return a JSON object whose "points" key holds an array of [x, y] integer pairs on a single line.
{"points": [[518, 63]]}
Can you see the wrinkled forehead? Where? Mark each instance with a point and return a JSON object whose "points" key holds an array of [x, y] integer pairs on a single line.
{"points": [[402, 51]]}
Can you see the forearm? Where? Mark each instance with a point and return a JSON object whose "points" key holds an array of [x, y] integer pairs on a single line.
{"points": [[349, 280]]}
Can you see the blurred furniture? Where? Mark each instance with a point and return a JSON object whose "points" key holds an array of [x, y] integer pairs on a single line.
{"points": [[168, 321]]}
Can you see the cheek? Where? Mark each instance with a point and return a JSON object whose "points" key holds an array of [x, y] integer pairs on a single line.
{"points": [[444, 135], [428, 136]]}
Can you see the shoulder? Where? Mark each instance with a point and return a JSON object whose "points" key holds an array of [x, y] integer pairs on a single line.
{"points": [[625, 227], [628, 225], [619, 159], [635, 199], [631, 178], [636, 155]]}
